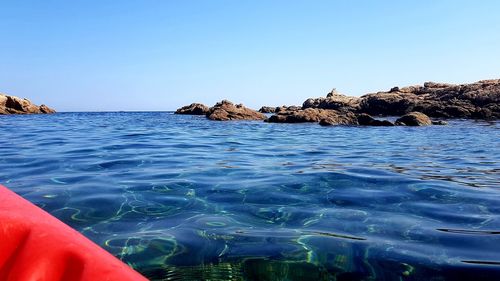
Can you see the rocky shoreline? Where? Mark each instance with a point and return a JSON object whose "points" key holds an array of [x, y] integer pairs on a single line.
{"points": [[413, 104], [16, 105]]}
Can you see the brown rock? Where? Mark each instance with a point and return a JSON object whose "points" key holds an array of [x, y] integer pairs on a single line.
{"points": [[435, 85], [326, 122], [193, 109], [297, 116], [391, 103], [366, 120], [414, 119], [16, 105], [226, 110], [475, 100], [47, 110], [287, 108], [338, 120], [334, 100], [267, 109], [3, 101], [333, 117], [394, 89], [21, 105]]}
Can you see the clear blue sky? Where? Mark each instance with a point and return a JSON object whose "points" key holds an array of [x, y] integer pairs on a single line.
{"points": [[95, 55]]}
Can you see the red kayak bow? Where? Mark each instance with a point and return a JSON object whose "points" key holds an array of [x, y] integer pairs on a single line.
{"points": [[35, 246]]}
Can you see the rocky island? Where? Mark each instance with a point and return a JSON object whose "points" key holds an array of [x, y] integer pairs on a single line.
{"points": [[16, 105], [222, 111], [413, 104], [226, 110]]}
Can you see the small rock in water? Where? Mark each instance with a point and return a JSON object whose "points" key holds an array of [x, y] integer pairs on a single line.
{"points": [[439, 122], [366, 120], [414, 119], [326, 122], [193, 109]]}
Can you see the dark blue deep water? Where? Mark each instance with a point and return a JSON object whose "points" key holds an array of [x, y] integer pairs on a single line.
{"points": [[185, 198]]}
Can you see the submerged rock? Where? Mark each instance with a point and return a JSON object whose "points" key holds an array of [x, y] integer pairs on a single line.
{"points": [[226, 110], [414, 119], [366, 120], [439, 123], [326, 122], [193, 109], [16, 105]]}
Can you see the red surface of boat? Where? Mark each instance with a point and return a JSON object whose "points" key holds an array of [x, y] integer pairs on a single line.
{"points": [[35, 246]]}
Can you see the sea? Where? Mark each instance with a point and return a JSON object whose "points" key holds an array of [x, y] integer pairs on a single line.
{"points": [[180, 197]]}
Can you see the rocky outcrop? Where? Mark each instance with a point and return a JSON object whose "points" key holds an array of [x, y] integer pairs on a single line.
{"points": [[416, 103], [334, 100], [414, 119], [226, 110], [193, 109], [476, 100], [16, 105], [267, 109], [333, 117], [287, 108], [339, 119], [45, 109]]}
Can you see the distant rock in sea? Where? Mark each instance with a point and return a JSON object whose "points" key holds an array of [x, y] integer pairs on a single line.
{"points": [[330, 117], [267, 109], [287, 108], [16, 105], [334, 100], [193, 109], [479, 100], [226, 110]]}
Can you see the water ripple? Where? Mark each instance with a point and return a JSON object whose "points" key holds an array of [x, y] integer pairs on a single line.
{"points": [[184, 198]]}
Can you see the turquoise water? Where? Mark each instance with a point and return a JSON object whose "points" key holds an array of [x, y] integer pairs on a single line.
{"points": [[185, 198]]}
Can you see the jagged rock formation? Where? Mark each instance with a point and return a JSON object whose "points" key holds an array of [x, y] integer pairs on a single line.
{"points": [[477, 100], [16, 105]]}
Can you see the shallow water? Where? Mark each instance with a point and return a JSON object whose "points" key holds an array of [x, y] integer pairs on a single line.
{"points": [[185, 198]]}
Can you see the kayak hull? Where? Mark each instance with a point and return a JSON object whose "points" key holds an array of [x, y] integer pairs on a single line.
{"points": [[35, 246]]}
